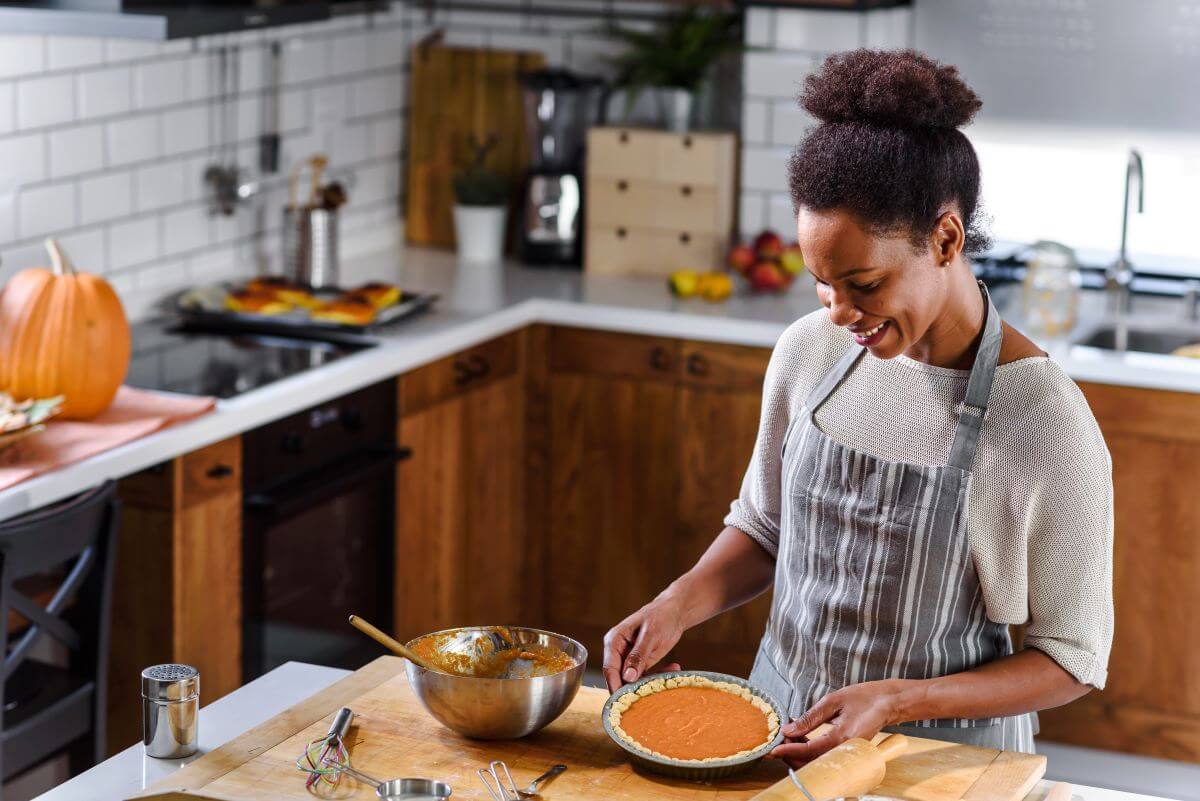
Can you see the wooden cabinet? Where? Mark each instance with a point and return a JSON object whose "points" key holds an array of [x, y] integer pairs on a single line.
{"points": [[648, 440], [1151, 704], [461, 549], [177, 593]]}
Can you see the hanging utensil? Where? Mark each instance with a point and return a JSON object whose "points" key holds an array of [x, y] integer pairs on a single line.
{"points": [[387, 642]]}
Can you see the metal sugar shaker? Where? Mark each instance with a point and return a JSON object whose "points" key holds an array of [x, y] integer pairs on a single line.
{"points": [[170, 710]]}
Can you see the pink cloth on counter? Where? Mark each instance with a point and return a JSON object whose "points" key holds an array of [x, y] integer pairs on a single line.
{"points": [[133, 414]]}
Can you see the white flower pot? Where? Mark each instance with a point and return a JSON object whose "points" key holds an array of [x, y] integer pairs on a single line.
{"points": [[479, 232]]}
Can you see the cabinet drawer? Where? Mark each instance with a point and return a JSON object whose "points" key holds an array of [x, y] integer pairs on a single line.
{"points": [[731, 367], [643, 251], [455, 375], [579, 350], [678, 207], [621, 153], [696, 159], [636, 153], [212, 471]]}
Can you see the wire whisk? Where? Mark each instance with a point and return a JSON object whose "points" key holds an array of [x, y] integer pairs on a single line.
{"points": [[496, 787], [325, 757]]}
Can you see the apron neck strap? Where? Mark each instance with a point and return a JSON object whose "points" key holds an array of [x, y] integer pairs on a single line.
{"points": [[979, 388], [979, 385]]}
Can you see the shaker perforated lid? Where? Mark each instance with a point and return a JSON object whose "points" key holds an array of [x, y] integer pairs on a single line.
{"points": [[170, 682]]}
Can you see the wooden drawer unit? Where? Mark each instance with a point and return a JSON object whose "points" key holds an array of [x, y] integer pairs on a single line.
{"points": [[657, 201], [600, 353], [454, 375], [729, 368]]}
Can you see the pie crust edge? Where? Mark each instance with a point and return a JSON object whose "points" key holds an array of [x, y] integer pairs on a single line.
{"points": [[658, 685]]}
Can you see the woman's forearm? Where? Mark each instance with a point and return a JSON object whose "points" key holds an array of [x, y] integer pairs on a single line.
{"points": [[1026, 681], [735, 569]]}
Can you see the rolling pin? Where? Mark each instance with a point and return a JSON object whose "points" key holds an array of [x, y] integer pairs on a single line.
{"points": [[851, 769]]}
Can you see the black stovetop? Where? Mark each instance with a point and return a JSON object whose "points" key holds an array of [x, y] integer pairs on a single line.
{"points": [[169, 357]]}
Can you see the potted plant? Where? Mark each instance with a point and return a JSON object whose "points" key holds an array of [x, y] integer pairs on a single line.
{"points": [[675, 59], [480, 206]]}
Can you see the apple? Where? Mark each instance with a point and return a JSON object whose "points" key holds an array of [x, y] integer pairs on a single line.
{"points": [[768, 245], [766, 276], [792, 259], [742, 258]]}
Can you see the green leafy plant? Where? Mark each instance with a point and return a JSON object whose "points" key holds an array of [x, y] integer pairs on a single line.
{"points": [[477, 184], [678, 53]]}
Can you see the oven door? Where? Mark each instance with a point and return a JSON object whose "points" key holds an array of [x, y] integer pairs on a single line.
{"points": [[317, 549]]}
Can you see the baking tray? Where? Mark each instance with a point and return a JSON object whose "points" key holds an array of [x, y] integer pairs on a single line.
{"points": [[690, 770], [203, 307]]}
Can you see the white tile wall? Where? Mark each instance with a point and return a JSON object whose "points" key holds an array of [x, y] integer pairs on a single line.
{"points": [[47, 209], [132, 139], [22, 55], [8, 108], [788, 45], [159, 82], [105, 92], [161, 185], [133, 243], [22, 160], [45, 101], [105, 197], [72, 52], [76, 150]]}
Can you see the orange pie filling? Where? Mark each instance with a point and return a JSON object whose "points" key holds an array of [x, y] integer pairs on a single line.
{"points": [[694, 719]]}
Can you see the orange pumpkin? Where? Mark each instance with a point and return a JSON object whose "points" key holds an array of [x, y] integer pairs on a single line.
{"points": [[63, 332]]}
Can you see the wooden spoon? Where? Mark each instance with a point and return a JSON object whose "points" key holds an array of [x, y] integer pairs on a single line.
{"points": [[391, 644]]}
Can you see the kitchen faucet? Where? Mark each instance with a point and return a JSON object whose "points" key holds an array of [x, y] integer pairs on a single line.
{"points": [[1119, 275]]}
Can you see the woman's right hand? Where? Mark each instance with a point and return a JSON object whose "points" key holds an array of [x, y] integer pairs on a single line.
{"points": [[635, 646]]}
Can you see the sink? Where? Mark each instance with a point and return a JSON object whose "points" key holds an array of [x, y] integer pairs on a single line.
{"points": [[1144, 340]]}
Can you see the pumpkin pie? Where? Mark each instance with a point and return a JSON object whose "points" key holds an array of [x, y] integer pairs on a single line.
{"points": [[693, 719]]}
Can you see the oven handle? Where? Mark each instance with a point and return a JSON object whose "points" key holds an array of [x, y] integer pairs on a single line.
{"points": [[322, 483]]}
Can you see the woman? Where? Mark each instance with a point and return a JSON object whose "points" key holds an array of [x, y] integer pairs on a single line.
{"points": [[924, 475]]}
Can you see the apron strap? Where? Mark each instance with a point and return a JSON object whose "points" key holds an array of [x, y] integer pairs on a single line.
{"points": [[833, 378], [979, 388]]}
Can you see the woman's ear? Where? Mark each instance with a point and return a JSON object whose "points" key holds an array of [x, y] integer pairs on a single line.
{"points": [[949, 237]]}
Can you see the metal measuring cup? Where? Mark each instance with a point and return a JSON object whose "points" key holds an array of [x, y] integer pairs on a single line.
{"points": [[401, 789]]}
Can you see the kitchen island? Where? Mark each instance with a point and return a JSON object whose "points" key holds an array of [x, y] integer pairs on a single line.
{"points": [[131, 772]]}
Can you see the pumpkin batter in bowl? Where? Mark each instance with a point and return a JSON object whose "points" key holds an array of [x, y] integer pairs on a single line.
{"points": [[694, 719]]}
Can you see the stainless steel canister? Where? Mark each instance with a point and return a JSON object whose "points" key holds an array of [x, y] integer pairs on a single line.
{"points": [[310, 245], [170, 710]]}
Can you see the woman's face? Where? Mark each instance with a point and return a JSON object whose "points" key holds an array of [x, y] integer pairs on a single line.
{"points": [[884, 291]]}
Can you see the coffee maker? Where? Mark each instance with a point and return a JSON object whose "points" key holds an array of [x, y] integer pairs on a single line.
{"points": [[559, 107]]}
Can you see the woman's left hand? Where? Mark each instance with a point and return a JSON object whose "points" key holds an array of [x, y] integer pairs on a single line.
{"points": [[859, 710]]}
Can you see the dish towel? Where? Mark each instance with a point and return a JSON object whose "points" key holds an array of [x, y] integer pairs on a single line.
{"points": [[133, 414]]}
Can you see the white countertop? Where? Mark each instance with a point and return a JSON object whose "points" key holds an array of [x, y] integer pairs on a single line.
{"points": [[131, 771], [479, 302]]}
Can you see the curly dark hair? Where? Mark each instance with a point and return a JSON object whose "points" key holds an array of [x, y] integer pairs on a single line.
{"points": [[888, 147]]}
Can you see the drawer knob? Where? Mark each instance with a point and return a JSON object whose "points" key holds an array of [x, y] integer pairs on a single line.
{"points": [[697, 364], [685, 190], [621, 233], [462, 372], [687, 141], [622, 186], [219, 471], [685, 238], [658, 358], [478, 366], [623, 137]]}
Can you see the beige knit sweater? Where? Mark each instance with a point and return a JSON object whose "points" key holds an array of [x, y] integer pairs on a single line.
{"points": [[1040, 510]]}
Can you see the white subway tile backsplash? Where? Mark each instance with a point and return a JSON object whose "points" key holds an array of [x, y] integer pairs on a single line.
{"points": [[76, 150], [73, 52], [186, 229], [21, 257], [349, 54], [387, 137], [86, 249], [764, 168], [119, 50], [252, 63], [163, 275], [105, 92], [22, 160], [160, 82], [133, 243], [819, 31], [21, 54], [133, 139], [45, 101], [751, 213], [788, 123], [46, 209], [8, 221], [388, 47], [161, 185], [105, 197], [331, 104], [8, 107], [304, 60], [247, 114], [780, 217], [293, 110], [760, 27], [200, 76], [348, 145], [377, 95], [550, 46], [754, 121], [185, 130], [772, 74], [889, 28]]}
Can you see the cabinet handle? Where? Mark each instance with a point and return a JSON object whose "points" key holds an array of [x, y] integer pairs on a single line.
{"points": [[687, 141], [685, 238], [621, 233], [219, 471], [622, 185], [478, 366], [462, 372], [659, 359], [623, 137], [697, 364], [685, 190]]}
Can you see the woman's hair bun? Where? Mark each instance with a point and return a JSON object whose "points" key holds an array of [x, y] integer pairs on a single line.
{"points": [[889, 89]]}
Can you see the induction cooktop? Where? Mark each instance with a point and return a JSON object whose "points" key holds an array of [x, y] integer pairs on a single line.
{"points": [[196, 361]]}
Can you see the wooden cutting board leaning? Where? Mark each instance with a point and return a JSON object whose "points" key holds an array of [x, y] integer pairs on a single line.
{"points": [[456, 94], [392, 737]]}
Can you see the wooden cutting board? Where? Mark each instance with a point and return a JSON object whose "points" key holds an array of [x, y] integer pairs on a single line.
{"points": [[456, 93], [393, 737]]}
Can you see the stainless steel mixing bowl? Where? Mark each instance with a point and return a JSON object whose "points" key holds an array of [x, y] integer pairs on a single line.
{"points": [[495, 709]]}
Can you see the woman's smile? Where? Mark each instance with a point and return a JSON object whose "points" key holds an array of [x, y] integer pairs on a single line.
{"points": [[870, 336]]}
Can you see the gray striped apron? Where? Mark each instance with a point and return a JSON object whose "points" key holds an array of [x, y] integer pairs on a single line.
{"points": [[874, 577]]}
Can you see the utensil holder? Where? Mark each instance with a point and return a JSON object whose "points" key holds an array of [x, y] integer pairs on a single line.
{"points": [[310, 246]]}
